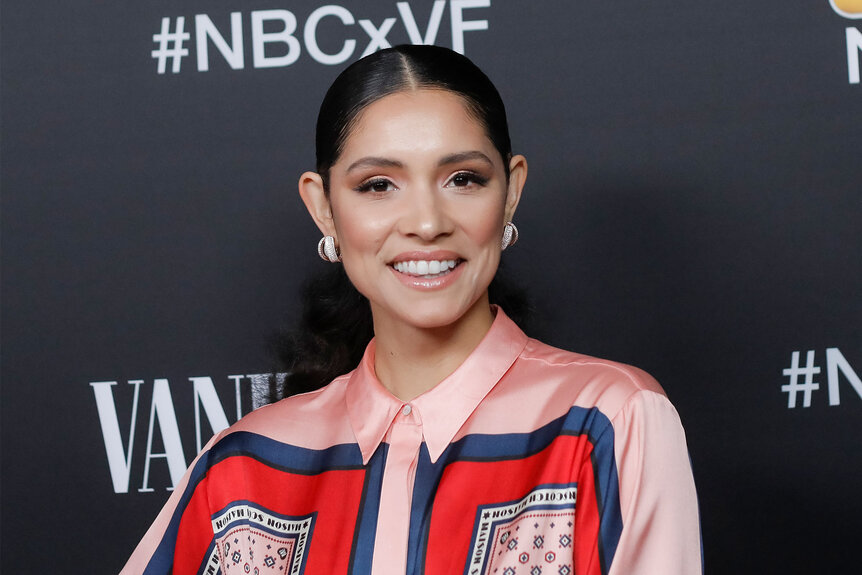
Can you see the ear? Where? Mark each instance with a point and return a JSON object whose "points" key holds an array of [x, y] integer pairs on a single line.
{"points": [[315, 200], [517, 178]]}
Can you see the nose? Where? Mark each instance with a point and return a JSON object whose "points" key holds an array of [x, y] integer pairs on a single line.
{"points": [[425, 214]]}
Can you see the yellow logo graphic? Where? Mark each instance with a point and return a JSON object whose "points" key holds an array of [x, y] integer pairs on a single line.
{"points": [[847, 8]]}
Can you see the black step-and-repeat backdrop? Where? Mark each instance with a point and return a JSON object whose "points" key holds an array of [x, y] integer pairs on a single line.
{"points": [[694, 207]]}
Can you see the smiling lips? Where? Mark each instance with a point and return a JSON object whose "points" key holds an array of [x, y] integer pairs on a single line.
{"points": [[427, 271], [425, 268]]}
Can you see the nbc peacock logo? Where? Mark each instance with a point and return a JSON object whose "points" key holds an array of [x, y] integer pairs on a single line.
{"points": [[847, 8], [851, 9]]}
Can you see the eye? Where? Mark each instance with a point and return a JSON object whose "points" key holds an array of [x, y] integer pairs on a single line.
{"points": [[378, 185], [465, 179]]}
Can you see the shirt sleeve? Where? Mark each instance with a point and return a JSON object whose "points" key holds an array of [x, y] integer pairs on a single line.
{"points": [[658, 502], [180, 540]]}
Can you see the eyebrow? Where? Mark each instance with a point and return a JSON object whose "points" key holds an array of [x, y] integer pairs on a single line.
{"points": [[374, 162], [464, 157]]}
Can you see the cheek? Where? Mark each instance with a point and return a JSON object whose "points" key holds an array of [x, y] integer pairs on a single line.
{"points": [[358, 227], [490, 230], [360, 237], [486, 226]]}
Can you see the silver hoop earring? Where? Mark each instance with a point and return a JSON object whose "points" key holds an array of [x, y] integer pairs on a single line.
{"points": [[510, 235], [327, 250]]}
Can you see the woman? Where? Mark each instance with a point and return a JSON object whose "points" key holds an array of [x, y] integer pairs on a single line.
{"points": [[458, 445]]}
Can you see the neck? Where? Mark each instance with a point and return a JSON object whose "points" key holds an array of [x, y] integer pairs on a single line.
{"points": [[411, 360]]}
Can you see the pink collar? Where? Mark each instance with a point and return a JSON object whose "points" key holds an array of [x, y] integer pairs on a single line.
{"points": [[441, 410]]}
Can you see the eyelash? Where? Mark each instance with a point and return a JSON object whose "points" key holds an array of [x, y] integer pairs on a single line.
{"points": [[472, 177], [368, 186]]}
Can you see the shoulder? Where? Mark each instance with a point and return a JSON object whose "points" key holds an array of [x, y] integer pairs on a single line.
{"points": [[559, 359], [588, 381], [632, 403], [315, 419]]}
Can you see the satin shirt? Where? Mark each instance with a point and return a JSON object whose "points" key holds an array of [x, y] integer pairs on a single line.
{"points": [[527, 460]]}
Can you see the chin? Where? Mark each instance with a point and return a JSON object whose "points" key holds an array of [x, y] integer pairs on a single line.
{"points": [[435, 314], [431, 319]]}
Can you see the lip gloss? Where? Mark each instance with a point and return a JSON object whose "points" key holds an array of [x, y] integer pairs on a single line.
{"points": [[423, 283]]}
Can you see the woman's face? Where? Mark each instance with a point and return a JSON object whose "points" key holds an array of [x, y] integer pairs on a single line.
{"points": [[418, 200]]}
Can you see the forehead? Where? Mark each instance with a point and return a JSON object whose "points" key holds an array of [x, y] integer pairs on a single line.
{"points": [[424, 120]]}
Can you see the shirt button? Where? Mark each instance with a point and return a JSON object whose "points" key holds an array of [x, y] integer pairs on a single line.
{"points": [[406, 409]]}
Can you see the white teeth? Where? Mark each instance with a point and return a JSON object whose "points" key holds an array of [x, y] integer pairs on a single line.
{"points": [[424, 267]]}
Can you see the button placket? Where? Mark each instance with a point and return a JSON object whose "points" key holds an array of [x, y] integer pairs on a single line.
{"points": [[393, 522]]}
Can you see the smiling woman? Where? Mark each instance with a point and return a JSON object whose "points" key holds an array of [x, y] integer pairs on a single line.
{"points": [[418, 186], [457, 444]]}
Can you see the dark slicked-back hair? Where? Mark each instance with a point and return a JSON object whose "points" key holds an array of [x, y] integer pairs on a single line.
{"points": [[406, 68]]}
